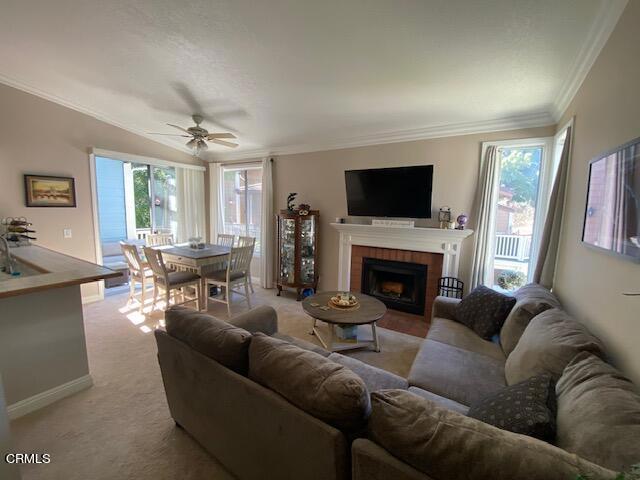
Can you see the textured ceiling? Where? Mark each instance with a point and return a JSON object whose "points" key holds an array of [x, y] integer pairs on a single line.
{"points": [[300, 72]]}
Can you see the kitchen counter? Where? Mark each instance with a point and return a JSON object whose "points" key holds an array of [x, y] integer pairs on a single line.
{"points": [[43, 351], [50, 270]]}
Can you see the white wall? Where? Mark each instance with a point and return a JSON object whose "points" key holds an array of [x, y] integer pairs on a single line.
{"points": [[607, 114]]}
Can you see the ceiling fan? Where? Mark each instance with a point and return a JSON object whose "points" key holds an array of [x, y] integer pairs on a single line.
{"points": [[199, 136]]}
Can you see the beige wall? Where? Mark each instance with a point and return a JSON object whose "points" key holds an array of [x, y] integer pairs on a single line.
{"points": [[319, 180], [38, 136], [607, 114]]}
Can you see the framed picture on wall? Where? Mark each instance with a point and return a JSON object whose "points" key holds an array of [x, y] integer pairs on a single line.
{"points": [[46, 191]]}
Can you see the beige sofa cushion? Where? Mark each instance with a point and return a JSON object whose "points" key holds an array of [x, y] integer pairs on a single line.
{"points": [[451, 372], [440, 401], [373, 377], [453, 333], [219, 340], [449, 446], [547, 345], [313, 383], [598, 413], [531, 300]]}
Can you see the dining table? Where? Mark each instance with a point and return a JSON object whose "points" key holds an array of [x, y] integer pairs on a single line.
{"points": [[200, 260]]}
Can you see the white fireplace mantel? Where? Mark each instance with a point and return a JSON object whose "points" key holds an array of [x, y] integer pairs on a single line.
{"points": [[433, 240]]}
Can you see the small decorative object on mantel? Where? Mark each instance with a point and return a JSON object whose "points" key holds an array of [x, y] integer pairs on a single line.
{"points": [[290, 198], [303, 209], [17, 231], [46, 191], [444, 217], [462, 221], [384, 222]]}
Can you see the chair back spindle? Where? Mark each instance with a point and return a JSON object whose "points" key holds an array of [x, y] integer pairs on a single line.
{"points": [[132, 257], [156, 263], [159, 239], [226, 240]]}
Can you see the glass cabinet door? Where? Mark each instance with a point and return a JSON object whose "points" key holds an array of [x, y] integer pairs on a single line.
{"points": [[287, 249], [307, 248]]}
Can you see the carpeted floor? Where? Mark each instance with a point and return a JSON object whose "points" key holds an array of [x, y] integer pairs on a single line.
{"points": [[121, 427]]}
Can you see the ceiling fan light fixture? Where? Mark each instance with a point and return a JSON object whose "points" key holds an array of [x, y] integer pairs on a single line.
{"points": [[193, 143]]}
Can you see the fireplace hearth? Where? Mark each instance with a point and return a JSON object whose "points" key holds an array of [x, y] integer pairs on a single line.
{"points": [[400, 285]]}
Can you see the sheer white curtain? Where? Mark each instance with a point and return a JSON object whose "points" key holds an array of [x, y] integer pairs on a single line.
{"points": [[190, 204], [485, 202], [216, 177], [266, 227]]}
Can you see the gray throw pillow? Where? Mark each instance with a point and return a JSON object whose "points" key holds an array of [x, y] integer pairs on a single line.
{"points": [[528, 408], [531, 300], [219, 340], [548, 344], [598, 413], [484, 311], [313, 383]]}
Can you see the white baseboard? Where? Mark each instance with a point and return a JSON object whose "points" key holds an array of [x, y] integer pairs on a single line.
{"points": [[92, 298], [45, 398]]}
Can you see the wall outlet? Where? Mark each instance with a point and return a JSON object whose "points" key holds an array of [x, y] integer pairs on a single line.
{"points": [[67, 233]]}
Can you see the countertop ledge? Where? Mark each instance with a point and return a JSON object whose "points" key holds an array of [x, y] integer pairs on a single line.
{"points": [[58, 270]]}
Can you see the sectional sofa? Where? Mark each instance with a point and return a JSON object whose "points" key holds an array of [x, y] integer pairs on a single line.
{"points": [[271, 406]]}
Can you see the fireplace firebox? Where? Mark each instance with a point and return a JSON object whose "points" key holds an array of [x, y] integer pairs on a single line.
{"points": [[400, 285]]}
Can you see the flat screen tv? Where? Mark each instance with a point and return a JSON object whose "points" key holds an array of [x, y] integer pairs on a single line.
{"points": [[401, 192], [612, 216]]}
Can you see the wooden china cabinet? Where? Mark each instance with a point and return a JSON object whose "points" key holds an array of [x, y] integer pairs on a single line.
{"points": [[298, 251]]}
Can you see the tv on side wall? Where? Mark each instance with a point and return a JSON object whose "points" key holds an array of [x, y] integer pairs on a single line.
{"points": [[612, 216], [401, 192]]}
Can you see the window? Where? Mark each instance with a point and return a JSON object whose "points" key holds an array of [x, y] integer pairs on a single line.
{"points": [[527, 170], [154, 193], [242, 202], [515, 215], [134, 199]]}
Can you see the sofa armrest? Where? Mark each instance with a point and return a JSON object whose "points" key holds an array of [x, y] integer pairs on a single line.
{"points": [[369, 461], [445, 307], [261, 319]]}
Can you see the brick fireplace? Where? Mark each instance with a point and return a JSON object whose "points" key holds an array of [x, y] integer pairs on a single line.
{"points": [[404, 280]]}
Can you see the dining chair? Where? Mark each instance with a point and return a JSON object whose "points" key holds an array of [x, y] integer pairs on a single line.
{"points": [[139, 271], [235, 274], [246, 242], [159, 239], [226, 240], [170, 281]]}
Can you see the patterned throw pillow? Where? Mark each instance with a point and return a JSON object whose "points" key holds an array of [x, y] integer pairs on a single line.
{"points": [[527, 407], [484, 311]]}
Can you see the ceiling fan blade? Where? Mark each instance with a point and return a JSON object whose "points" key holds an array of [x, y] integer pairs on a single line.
{"points": [[211, 136], [169, 134], [222, 142], [180, 128]]}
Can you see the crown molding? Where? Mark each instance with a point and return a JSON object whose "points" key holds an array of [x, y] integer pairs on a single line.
{"points": [[608, 15], [540, 119], [20, 85]]}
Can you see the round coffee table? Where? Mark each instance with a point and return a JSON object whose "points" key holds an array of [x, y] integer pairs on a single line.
{"points": [[370, 311]]}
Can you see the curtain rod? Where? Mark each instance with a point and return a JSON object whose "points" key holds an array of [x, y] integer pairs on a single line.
{"points": [[240, 162]]}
